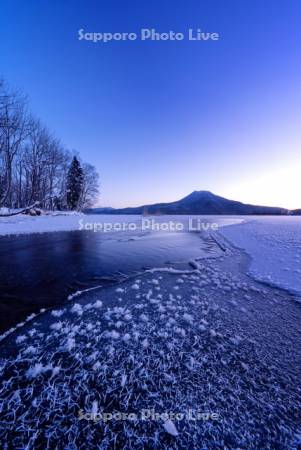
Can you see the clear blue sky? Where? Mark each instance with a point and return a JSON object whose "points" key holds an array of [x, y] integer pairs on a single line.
{"points": [[161, 119]]}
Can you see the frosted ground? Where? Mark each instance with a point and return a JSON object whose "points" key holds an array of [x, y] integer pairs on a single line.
{"points": [[274, 244], [26, 224], [204, 337]]}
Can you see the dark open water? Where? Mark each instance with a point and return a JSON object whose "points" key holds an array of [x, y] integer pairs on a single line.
{"points": [[41, 270]]}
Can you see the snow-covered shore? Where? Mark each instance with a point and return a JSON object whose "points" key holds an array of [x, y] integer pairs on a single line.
{"points": [[205, 341], [26, 224], [274, 244]]}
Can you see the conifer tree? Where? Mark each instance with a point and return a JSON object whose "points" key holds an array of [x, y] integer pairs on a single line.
{"points": [[74, 184]]}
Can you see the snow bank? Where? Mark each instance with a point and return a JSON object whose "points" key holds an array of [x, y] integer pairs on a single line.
{"points": [[25, 224], [274, 244]]}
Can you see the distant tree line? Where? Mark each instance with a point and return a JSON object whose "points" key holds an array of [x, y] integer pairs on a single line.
{"points": [[34, 166]]}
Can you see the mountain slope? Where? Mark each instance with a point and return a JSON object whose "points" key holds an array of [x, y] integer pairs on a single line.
{"points": [[198, 202]]}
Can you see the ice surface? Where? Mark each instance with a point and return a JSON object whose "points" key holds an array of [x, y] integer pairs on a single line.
{"points": [[274, 244], [25, 224], [200, 348]]}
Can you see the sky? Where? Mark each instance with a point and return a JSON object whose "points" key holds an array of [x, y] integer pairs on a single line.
{"points": [[160, 119]]}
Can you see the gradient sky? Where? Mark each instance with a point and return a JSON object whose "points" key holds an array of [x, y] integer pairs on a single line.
{"points": [[161, 119]]}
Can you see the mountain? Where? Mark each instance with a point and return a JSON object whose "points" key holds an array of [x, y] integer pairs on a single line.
{"points": [[198, 202], [105, 210], [295, 212]]}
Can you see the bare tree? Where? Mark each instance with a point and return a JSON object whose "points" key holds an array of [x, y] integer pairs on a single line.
{"points": [[13, 132], [90, 190], [33, 163]]}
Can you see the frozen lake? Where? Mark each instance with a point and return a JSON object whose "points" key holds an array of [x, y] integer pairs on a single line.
{"points": [[45, 259], [274, 244], [39, 269]]}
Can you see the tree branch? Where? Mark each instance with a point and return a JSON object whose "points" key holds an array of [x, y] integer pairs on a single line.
{"points": [[21, 210]]}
